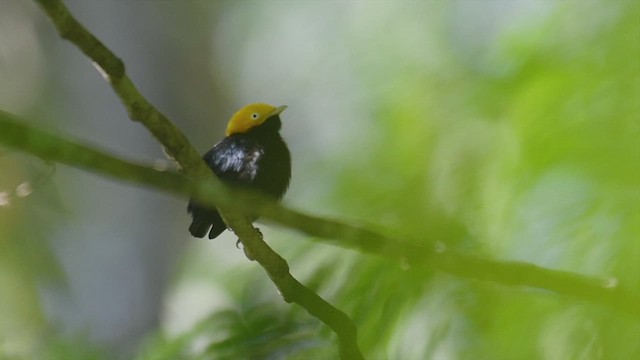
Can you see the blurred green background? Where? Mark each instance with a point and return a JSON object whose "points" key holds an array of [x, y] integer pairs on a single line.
{"points": [[505, 129]]}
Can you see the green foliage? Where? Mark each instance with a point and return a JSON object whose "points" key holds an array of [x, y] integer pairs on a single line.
{"points": [[538, 162], [252, 329]]}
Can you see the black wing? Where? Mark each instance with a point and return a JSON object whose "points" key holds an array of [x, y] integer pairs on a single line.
{"points": [[234, 160]]}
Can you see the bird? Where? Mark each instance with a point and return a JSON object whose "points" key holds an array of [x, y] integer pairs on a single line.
{"points": [[252, 155]]}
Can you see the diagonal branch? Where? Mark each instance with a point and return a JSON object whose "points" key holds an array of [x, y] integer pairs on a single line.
{"points": [[178, 147], [113, 71], [604, 291]]}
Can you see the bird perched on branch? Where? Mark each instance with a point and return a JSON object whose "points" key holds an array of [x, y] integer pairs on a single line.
{"points": [[252, 155]]}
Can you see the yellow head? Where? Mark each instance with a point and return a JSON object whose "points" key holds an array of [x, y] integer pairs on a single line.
{"points": [[251, 116]]}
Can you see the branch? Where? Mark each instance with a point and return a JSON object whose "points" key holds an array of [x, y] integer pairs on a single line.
{"points": [[603, 291], [113, 71], [179, 148]]}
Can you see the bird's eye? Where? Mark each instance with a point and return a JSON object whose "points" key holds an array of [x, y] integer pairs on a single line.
{"points": [[255, 116]]}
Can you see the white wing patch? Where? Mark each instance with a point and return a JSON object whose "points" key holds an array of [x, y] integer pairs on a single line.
{"points": [[250, 164]]}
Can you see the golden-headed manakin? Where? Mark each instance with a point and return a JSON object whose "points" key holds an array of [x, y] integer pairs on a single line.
{"points": [[252, 155]]}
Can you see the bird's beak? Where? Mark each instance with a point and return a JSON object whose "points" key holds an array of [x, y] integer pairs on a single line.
{"points": [[277, 111]]}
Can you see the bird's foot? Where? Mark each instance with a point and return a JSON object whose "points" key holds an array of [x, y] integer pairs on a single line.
{"points": [[247, 253]]}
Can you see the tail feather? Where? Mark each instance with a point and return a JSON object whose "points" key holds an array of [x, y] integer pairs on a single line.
{"points": [[217, 229], [205, 221], [199, 227]]}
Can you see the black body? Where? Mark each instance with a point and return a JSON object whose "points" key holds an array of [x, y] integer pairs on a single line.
{"points": [[258, 159]]}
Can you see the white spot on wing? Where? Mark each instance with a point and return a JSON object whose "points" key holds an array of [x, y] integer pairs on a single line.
{"points": [[24, 189], [4, 199], [251, 164]]}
